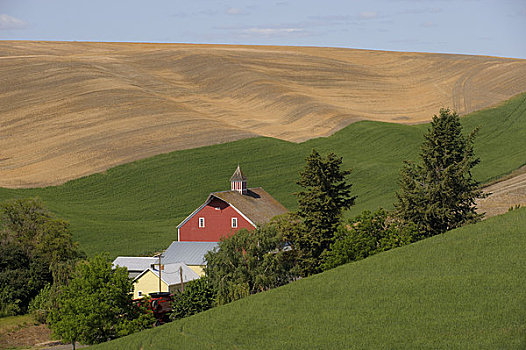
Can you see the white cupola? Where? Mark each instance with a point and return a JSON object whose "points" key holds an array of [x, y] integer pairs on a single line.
{"points": [[238, 181]]}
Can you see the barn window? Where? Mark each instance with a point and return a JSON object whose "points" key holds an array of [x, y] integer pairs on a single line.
{"points": [[139, 293], [234, 222], [201, 222]]}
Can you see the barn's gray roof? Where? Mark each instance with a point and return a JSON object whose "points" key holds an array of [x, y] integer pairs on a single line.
{"points": [[134, 263], [171, 274], [257, 205], [190, 253]]}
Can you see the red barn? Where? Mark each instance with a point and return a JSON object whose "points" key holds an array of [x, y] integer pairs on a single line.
{"points": [[226, 212]]}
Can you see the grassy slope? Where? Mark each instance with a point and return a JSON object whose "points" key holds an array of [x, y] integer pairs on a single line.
{"points": [[134, 209], [460, 290], [10, 323]]}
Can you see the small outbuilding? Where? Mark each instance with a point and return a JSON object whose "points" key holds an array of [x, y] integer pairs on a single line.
{"points": [[135, 264]]}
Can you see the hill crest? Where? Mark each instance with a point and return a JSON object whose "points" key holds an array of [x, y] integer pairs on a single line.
{"points": [[71, 109]]}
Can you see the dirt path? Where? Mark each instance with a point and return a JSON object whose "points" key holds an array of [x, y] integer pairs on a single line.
{"points": [[33, 337], [26, 336], [72, 109], [507, 193]]}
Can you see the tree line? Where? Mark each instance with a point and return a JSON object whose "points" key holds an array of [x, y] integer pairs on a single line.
{"points": [[436, 194], [36, 249]]}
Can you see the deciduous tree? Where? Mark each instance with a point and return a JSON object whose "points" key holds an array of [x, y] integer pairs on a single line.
{"points": [[97, 305], [248, 262], [34, 245]]}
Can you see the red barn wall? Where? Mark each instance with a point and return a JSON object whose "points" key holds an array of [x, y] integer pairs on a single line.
{"points": [[218, 222]]}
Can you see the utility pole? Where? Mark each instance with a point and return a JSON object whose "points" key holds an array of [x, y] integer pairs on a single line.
{"points": [[160, 269], [181, 276]]}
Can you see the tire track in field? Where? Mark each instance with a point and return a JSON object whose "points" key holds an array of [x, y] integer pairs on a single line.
{"points": [[505, 194]]}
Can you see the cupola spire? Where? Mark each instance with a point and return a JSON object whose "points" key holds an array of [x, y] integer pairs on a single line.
{"points": [[238, 181]]}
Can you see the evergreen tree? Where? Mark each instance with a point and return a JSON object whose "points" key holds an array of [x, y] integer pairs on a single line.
{"points": [[439, 194], [325, 196]]}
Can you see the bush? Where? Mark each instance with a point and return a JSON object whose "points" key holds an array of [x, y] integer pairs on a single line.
{"points": [[248, 262], [41, 305], [8, 305], [365, 235], [198, 296], [18, 287]]}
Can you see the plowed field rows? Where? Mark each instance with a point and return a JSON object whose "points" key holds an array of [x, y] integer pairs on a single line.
{"points": [[72, 109]]}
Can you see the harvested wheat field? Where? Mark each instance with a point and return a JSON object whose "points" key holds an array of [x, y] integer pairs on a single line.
{"points": [[70, 109]]}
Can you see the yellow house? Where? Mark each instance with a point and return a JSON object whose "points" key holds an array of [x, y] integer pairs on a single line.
{"points": [[188, 257], [148, 281]]}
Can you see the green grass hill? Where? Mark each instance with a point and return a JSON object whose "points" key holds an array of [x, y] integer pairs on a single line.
{"points": [[460, 290], [134, 209]]}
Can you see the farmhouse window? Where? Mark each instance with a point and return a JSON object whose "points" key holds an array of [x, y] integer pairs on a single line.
{"points": [[201, 222], [139, 293], [234, 222]]}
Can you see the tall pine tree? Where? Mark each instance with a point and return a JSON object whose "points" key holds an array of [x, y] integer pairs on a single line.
{"points": [[439, 194], [325, 195]]}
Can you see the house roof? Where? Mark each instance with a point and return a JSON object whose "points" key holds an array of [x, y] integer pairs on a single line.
{"points": [[256, 204], [238, 175], [190, 253], [134, 263], [171, 274]]}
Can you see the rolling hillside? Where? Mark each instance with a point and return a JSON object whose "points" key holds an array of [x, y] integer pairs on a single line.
{"points": [[133, 209], [460, 290], [71, 109]]}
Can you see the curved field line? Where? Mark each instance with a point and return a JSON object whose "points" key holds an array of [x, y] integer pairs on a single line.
{"points": [[71, 109]]}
